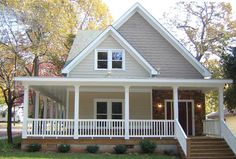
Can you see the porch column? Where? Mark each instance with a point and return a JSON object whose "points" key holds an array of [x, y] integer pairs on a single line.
{"points": [[56, 110], [176, 107], [76, 112], [126, 112], [67, 104], [51, 109], [221, 105], [45, 107], [26, 104], [36, 109]]}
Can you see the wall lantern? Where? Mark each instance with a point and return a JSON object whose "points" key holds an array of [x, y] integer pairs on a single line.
{"points": [[199, 105], [159, 105]]}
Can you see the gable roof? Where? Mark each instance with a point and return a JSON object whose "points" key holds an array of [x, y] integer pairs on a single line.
{"points": [[226, 113], [172, 40], [101, 37], [82, 39]]}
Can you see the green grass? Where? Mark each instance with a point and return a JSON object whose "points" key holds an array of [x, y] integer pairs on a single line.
{"points": [[40, 155]]}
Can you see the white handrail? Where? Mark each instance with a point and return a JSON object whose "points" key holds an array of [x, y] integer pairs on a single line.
{"points": [[151, 128], [50, 127], [181, 137], [211, 127], [229, 137]]}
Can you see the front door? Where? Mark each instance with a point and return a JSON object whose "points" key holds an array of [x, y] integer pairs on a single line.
{"points": [[186, 114]]}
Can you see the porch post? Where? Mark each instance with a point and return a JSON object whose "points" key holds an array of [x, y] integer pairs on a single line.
{"points": [[45, 107], [126, 112], [26, 104], [36, 109], [56, 110], [67, 104], [221, 106], [76, 112], [51, 109], [176, 107]]}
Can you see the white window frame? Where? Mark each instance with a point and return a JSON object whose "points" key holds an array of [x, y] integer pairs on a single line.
{"points": [[109, 60], [109, 108]]}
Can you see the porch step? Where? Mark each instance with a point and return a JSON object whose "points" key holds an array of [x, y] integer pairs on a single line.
{"points": [[209, 148]]}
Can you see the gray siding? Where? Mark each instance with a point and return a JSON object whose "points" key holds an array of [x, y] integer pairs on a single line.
{"points": [[155, 49], [132, 68]]}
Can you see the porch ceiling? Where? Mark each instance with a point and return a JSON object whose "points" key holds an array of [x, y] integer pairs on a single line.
{"points": [[57, 93]]}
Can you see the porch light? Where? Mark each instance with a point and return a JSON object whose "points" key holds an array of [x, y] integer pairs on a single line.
{"points": [[159, 105], [199, 105]]}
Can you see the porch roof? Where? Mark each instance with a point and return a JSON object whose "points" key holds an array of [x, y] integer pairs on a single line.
{"points": [[66, 81]]}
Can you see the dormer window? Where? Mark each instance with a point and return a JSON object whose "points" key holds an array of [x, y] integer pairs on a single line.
{"points": [[109, 59]]}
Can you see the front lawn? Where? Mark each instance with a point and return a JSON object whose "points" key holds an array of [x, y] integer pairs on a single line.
{"points": [[40, 155]]}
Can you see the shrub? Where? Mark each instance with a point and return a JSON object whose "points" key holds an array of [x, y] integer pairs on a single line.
{"points": [[34, 147], [147, 146], [63, 148], [120, 149], [92, 148], [4, 146]]}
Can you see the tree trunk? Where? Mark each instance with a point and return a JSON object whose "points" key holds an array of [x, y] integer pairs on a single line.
{"points": [[36, 66], [9, 122]]}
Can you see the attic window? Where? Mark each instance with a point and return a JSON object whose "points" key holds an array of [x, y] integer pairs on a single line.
{"points": [[109, 59]]}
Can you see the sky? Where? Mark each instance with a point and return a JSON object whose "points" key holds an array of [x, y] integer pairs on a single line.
{"points": [[155, 7]]}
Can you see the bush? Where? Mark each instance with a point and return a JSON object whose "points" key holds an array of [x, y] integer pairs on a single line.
{"points": [[147, 146], [4, 146], [120, 149], [63, 148], [92, 148], [34, 147]]}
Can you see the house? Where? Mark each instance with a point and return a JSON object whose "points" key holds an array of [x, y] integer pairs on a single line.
{"points": [[17, 113], [230, 118], [131, 81]]}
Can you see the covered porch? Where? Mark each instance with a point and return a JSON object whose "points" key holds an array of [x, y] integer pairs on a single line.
{"points": [[56, 120]]}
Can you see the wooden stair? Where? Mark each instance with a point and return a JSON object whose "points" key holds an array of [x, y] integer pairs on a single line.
{"points": [[209, 148]]}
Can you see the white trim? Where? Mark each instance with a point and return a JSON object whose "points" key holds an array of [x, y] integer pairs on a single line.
{"points": [[151, 103], [109, 59], [65, 81], [109, 31], [193, 112], [170, 38], [67, 102]]}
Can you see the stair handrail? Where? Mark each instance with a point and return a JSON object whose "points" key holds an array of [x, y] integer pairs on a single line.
{"points": [[228, 135], [181, 137]]}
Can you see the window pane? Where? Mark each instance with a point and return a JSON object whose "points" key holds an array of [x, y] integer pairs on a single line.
{"points": [[116, 116], [101, 116], [101, 107], [116, 55], [102, 64], [116, 64], [116, 108], [102, 55]]}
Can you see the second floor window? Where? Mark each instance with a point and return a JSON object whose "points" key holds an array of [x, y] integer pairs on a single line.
{"points": [[111, 59]]}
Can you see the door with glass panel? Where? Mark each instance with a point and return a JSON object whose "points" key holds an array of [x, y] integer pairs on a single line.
{"points": [[111, 109], [186, 114]]}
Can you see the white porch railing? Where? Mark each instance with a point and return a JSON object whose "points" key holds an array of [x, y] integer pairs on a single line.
{"points": [[229, 137], [151, 128], [101, 128], [50, 127], [181, 137], [211, 127]]}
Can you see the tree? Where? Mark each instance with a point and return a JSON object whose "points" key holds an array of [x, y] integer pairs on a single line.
{"points": [[229, 68], [35, 37], [207, 27]]}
